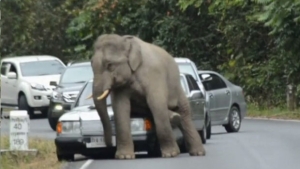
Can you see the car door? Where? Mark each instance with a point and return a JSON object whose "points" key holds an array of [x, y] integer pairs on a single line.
{"points": [[197, 104], [212, 104], [4, 83], [12, 85], [220, 97]]}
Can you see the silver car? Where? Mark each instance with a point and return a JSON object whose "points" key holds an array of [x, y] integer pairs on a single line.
{"points": [[80, 131], [227, 102]]}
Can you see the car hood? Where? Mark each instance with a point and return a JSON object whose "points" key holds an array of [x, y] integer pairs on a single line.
{"points": [[84, 113], [43, 80], [69, 87]]}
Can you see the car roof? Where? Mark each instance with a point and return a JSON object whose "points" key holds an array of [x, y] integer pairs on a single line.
{"points": [[82, 63], [29, 58], [182, 60], [207, 71], [185, 74]]}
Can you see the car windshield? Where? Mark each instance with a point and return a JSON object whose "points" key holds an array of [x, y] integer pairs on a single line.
{"points": [[42, 67], [77, 74], [187, 68], [87, 91]]}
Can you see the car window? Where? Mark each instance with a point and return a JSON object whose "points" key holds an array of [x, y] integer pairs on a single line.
{"points": [[77, 74], [183, 85], [187, 68], [13, 68], [40, 68], [212, 82], [4, 67], [87, 91], [192, 83]]}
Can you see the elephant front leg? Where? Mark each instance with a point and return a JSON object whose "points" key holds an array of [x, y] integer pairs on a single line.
{"points": [[164, 133], [121, 108]]}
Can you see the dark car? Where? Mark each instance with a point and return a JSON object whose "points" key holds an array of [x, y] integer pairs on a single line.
{"points": [[80, 131], [70, 83]]}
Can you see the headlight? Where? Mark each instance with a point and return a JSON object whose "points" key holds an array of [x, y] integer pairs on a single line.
{"points": [[56, 95], [58, 107], [70, 127], [37, 86], [140, 125]]}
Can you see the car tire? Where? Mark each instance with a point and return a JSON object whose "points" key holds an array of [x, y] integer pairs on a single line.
{"points": [[203, 133], [1, 114], [23, 105], [234, 120], [208, 130], [52, 121], [65, 157]]}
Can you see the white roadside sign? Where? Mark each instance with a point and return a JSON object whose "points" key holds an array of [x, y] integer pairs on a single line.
{"points": [[19, 129]]}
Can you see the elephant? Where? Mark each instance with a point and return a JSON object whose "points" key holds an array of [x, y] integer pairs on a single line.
{"points": [[140, 76]]}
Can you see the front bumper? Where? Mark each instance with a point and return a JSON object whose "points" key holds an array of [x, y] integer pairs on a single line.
{"points": [[77, 145], [37, 98]]}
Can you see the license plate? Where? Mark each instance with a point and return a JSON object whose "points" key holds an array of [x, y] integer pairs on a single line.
{"points": [[99, 142]]}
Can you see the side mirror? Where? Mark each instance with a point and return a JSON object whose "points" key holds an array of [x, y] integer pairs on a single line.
{"points": [[196, 94], [53, 83], [209, 78], [12, 75]]}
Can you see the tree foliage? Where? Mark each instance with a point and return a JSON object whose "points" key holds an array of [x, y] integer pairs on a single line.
{"points": [[254, 43]]}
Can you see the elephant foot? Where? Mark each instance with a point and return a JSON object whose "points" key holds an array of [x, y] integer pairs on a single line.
{"points": [[175, 119], [170, 151], [197, 151], [124, 155]]}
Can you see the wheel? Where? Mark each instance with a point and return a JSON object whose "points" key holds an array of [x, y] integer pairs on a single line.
{"points": [[65, 157], [23, 105], [203, 133], [208, 130], [52, 121], [234, 122], [1, 113]]}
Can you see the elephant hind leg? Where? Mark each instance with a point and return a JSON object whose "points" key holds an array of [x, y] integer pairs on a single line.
{"points": [[175, 119], [160, 111], [188, 129]]}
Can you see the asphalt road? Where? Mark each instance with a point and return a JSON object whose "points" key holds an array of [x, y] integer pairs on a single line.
{"points": [[260, 144]]}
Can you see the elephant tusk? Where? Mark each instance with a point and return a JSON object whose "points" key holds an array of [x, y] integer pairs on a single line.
{"points": [[105, 93], [90, 96]]}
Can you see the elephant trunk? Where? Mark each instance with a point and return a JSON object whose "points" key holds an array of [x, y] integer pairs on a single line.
{"points": [[101, 106]]}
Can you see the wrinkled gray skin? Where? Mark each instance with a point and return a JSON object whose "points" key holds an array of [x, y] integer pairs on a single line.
{"points": [[140, 76]]}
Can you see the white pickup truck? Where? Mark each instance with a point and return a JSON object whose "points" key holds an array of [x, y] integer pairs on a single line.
{"points": [[25, 82]]}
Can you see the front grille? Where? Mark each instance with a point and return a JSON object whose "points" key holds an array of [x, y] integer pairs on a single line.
{"points": [[70, 96], [94, 127]]}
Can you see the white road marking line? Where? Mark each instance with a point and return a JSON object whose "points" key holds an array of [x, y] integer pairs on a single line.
{"points": [[86, 164]]}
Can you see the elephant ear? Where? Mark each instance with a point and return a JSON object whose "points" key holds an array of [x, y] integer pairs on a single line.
{"points": [[134, 53]]}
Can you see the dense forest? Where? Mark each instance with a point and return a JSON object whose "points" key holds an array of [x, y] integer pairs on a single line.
{"points": [[254, 43]]}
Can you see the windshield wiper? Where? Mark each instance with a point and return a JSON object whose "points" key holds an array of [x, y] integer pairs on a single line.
{"points": [[92, 107], [44, 74], [80, 82]]}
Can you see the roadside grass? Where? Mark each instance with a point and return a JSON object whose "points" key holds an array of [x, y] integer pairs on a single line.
{"points": [[276, 113], [45, 158]]}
